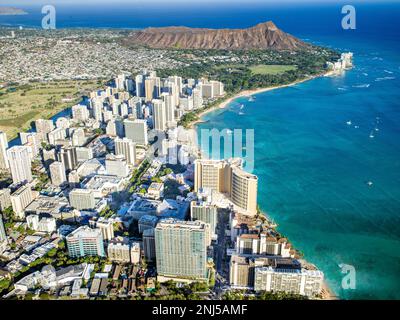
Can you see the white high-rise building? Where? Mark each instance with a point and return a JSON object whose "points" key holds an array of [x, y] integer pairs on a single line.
{"points": [[111, 128], [172, 89], [135, 104], [3, 235], [63, 123], [57, 173], [197, 98], [80, 112], [82, 199], [43, 127], [31, 140], [56, 134], [20, 199], [84, 153], [136, 130], [20, 163], [97, 109], [78, 137], [218, 88], [127, 148], [3, 151], [117, 166], [186, 103], [177, 81], [120, 82], [181, 249], [170, 105], [106, 226], [68, 157], [139, 80], [159, 115], [5, 200], [227, 176], [123, 110], [152, 88]]}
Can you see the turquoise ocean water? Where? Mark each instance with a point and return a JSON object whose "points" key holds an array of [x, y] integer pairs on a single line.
{"points": [[314, 167]]}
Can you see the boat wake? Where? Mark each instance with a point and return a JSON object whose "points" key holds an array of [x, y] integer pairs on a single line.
{"points": [[365, 85], [384, 79]]}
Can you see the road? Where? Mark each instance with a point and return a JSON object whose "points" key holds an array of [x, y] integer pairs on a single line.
{"points": [[221, 266]]}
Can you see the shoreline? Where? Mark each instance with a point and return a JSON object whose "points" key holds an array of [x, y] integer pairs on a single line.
{"points": [[249, 92], [326, 292]]}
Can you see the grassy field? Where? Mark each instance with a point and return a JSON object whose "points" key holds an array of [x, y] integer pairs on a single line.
{"points": [[271, 69], [21, 105]]}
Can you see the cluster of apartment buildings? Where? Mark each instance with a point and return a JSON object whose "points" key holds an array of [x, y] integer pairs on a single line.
{"points": [[91, 157]]}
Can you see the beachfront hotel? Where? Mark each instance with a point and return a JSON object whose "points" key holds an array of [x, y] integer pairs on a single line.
{"points": [[228, 177], [274, 274]]}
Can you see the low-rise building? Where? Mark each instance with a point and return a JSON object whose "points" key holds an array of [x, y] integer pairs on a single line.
{"points": [[303, 282], [47, 225], [124, 251], [242, 268], [156, 190]]}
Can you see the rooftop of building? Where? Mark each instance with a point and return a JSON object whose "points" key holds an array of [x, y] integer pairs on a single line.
{"points": [[148, 219], [157, 186], [21, 189], [84, 232], [180, 224], [47, 204], [148, 232], [81, 191], [96, 182]]}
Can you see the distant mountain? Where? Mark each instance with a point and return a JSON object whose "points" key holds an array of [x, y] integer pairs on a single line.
{"points": [[10, 11], [262, 36]]}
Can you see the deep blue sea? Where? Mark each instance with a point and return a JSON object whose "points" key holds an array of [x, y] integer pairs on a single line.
{"points": [[313, 166]]}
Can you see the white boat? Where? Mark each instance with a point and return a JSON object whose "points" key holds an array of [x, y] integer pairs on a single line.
{"points": [[371, 135], [370, 183], [348, 123], [251, 99]]}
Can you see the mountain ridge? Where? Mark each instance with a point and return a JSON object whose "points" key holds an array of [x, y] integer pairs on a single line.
{"points": [[264, 35], [11, 11]]}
